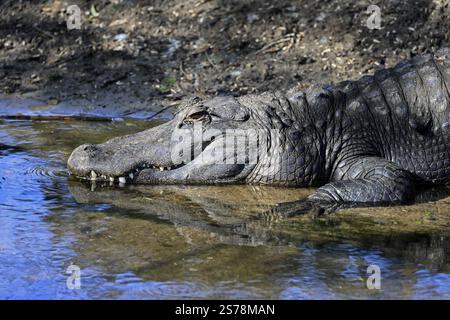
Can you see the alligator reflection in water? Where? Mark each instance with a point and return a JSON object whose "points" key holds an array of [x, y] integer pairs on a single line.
{"points": [[204, 242], [210, 217], [233, 213]]}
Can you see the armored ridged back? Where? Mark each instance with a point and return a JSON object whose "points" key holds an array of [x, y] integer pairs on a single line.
{"points": [[403, 115], [416, 91]]}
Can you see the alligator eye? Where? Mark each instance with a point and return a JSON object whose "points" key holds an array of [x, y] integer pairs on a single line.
{"points": [[200, 116]]}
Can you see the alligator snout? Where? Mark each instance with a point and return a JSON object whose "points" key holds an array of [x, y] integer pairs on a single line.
{"points": [[81, 159], [125, 159]]}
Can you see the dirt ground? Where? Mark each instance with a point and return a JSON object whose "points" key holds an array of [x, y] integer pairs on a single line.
{"points": [[158, 52]]}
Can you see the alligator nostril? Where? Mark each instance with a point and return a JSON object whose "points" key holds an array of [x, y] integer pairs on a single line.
{"points": [[89, 148]]}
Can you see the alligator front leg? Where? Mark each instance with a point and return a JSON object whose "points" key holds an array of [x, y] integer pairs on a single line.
{"points": [[369, 180], [364, 181]]}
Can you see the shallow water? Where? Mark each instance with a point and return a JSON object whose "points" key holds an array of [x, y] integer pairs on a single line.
{"points": [[157, 242]]}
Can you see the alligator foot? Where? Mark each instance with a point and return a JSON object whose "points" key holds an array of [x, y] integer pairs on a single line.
{"points": [[369, 181]]}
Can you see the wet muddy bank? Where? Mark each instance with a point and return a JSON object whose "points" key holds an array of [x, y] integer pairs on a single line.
{"points": [[136, 54]]}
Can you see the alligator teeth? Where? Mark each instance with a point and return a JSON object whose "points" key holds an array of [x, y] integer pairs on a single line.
{"points": [[94, 176]]}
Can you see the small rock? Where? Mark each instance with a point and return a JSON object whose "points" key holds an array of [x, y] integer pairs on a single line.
{"points": [[236, 73], [306, 60], [252, 17], [120, 37]]}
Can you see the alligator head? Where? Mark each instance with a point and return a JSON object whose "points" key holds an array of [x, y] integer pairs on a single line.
{"points": [[217, 141]]}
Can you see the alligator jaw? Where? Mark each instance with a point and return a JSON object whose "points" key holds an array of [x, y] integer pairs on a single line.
{"points": [[129, 176], [123, 159]]}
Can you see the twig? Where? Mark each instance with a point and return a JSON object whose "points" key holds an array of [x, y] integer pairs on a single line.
{"points": [[60, 62], [271, 44], [45, 33], [161, 111], [210, 61], [182, 69], [198, 4], [113, 80]]}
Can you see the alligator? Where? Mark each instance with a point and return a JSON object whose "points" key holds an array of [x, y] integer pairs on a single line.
{"points": [[373, 141]]}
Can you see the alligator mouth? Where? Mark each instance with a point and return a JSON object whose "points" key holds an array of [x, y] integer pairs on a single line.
{"points": [[129, 176]]}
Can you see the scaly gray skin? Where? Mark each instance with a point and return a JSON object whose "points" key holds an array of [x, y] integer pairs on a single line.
{"points": [[371, 141]]}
